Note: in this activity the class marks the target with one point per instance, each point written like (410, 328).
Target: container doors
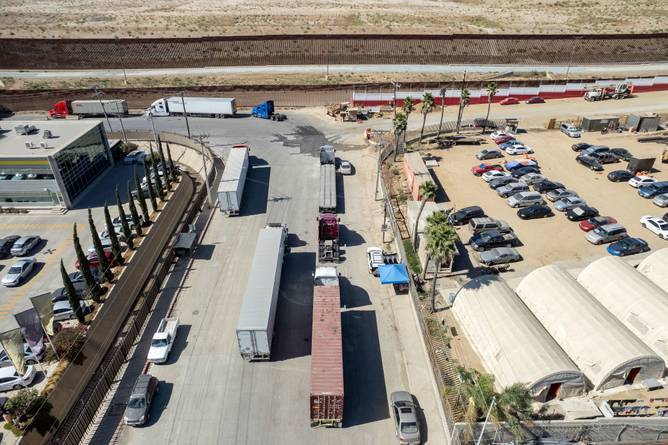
(630, 378)
(247, 344)
(553, 392)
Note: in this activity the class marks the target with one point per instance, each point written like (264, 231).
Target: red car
(93, 261)
(597, 221)
(501, 139)
(484, 168)
(536, 100)
(509, 101)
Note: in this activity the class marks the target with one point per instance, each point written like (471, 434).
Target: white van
(570, 130)
(525, 199)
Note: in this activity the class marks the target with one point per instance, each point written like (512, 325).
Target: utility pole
(381, 147)
(125, 77)
(155, 135)
(394, 101)
(120, 120)
(183, 103)
(201, 139)
(484, 425)
(440, 124)
(97, 94)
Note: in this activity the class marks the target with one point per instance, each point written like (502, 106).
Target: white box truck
(163, 340)
(231, 187)
(194, 106)
(255, 328)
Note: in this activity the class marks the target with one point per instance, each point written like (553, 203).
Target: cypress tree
(92, 286)
(163, 164)
(133, 211)
(142, 201)
(158, 181)
(103, 268)
(172, 170)
(72, 297)
(111, 231)
(127, 233)
(151, 190)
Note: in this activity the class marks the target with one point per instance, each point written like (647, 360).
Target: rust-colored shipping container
(326, 358)
(416, 173)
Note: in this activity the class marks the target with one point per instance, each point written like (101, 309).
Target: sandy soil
(170, 18)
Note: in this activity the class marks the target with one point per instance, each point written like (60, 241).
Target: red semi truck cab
(60, 110)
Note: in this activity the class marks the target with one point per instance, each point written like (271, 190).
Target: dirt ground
(545, 241)
(125, 18)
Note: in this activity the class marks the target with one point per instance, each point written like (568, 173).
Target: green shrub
(412, 258)
(68, 342)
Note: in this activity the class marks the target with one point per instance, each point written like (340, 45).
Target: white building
(655, 267)
(607, 352)
(511, 342)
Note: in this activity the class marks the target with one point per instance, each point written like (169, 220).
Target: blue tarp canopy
(393, 274)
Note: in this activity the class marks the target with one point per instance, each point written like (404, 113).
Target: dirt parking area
(549, 240)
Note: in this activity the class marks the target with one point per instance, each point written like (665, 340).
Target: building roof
(64, 132)
(655, 267)
(599, 344)
(511, 342)
(631, 297)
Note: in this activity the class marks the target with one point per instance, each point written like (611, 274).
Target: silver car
(404, 412)
(556, 195)
(661, 200)
(500, 255)
(607, 233)
(63, 311)
(569, 202)
(139, 403)
(488, 153)
(19, 272)
(25, 244)
(29, 357)
(532, 178)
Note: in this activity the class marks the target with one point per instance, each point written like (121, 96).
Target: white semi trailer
(231, 187)
(194, 106)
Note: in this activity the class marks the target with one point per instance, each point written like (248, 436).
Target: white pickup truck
(163, 339)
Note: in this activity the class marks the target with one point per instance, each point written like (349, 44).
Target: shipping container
(416, 173)
(258, 311)
(112, 107)
(326, 396)
(598, 123)
(327, 188)
(195, 106)
(231, 187)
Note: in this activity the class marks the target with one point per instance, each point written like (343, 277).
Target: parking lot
(544, 241)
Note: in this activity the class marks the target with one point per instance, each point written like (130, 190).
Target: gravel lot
(545, 241)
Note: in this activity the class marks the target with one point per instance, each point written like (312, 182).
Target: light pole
(120, 120)
(201, 139)
(185, 115)
(394, 101)
(155, 135)
(97, 94)
(381, 147)
(440, 124)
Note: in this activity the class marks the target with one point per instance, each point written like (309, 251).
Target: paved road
(314, 69)
(209, 395)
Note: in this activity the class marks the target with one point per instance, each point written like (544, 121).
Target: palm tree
(440, 247)
(491, 89)
(428, 105)
(400, 123)
(463, 101)
(111, 232)
(125, 227)
(427, 191)
(92, 286)
(136, 221)
(72, 296)
(103, 267)
(435, 219)
(151, 190)
(408, 107)
(142, 201)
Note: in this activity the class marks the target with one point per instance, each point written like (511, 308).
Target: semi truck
(265, 110)
(328, 237)
(83, 108)
(255, 327)
(163, 340)
(194, 106)
(326, 392)
(231, 187)
(621, 91)
(327, 188)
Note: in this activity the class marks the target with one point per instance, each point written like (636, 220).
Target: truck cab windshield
(160, 342)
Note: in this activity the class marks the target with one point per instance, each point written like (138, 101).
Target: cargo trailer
(231, 187)
(84, 108)
(326, 395)
(327, 188)
(194, 106)
(327, 154)
(258, 311)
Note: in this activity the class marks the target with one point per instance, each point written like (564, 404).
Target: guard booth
(185, 244)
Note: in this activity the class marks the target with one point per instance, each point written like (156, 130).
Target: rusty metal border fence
(79, 407)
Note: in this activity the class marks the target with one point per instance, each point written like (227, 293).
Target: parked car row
(648, 186)
(508, 143)
(18, 246)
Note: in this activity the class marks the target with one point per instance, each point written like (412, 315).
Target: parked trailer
(255, 328)
(231, 187)
(83, 108)
(328, 188)
(326, 397)
(194, 106)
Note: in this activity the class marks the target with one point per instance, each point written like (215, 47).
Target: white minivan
(525, 199)
(570, 130)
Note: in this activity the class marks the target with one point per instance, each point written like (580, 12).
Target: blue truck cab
(264, 110)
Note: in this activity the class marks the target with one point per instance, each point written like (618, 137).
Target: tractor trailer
(327, 188)
(193, 106)
(255, 327)
(231, 187)
(83, 108)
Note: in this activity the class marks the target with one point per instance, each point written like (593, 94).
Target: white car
(117, 229)
(493, 174)
(655, 225)
(346, 168)
(499, 133)
(639, 181)
(375, 259)
(10, 379)
(518, 150)
(19, 271)
(135, 157)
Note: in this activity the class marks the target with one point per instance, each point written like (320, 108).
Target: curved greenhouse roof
(655, 267)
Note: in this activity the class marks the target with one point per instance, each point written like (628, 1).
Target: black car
(535, 211)
(620, 176)
(605, 157)
(590, 163)
(665, 217)
(622, 153)
(547, 186)
(6, 244)
(492, 238)
(464, 215)
(500, 182)
(628, 246)
(519, 172)
(580, 146)
(580, 213)
(60, 294)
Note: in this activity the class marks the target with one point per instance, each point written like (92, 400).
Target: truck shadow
(340, 195)
(160, 402)
(256, 191)
(353, 296)
(292, 329)
(350, 238)
(363, 375)
(180, 343)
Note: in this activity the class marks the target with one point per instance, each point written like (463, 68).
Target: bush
(68, 342)
(24, 405)
(412, 258)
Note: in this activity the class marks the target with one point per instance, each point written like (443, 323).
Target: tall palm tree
(400, 123)
(434, 219)
(428, 105)
(441, 240)
(427, 191)
(463, 101)
(491, 89)
(408, 107)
